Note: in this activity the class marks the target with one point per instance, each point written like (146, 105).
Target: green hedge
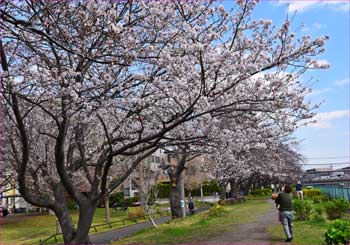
(209, 188)
(310, 193)
(118, 198)
(261, 192)
(163, 190)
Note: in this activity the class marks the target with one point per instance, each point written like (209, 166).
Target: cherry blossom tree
(82, 99)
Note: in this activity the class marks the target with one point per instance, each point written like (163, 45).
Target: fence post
(58, 227)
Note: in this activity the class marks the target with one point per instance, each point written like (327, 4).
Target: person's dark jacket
(284, 200)
(299, 187)
(191, 205)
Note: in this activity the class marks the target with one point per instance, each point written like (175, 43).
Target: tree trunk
(175, 207)
(66, 223)
(86, 214)
(234, 188)
(223, 191)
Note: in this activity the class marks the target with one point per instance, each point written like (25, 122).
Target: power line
(326, 157)
(331, 163)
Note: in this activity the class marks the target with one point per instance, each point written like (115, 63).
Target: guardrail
(335, 191)
(94, 227)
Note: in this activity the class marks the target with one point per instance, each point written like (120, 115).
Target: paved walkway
(114, 235)
(249, 233)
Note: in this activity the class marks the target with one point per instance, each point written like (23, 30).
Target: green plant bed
(338, 232)
(336, 209)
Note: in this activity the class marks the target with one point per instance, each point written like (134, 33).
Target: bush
(231, 201)
(209, 188)
(136, 212)
(317, 199)
(338, 232)
(163, 190)
(336, 208)
(302, 209)
(326, 197)
(216, 210)
(318, 214)
(261, 192)
(117, 198)
(71, 204)
(310, 193)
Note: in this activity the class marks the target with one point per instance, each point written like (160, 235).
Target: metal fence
(335, 191)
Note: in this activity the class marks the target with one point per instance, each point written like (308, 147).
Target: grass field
(200, 227)
(192, 229)
(305, 232)
(31, 229)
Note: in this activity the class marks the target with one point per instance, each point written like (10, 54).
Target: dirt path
(249, 233)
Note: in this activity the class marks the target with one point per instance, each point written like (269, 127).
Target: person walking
(272, 188)
(299, 189)
(285, 207)
(191, 206)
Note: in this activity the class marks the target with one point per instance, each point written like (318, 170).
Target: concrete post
(108, 216)
(202, 197)
(182, 195)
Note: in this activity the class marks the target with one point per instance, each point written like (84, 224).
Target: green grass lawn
(200, 227)
(305, 232)
(31, 229)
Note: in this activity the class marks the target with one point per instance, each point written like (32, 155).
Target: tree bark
(66, 223)
(62, 213)
(175, 207)
(86, 214)
(234, 184)
(223, 191)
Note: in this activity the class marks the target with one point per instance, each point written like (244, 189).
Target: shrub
(318, 214)
(302, 209)
(163, 190)
(319, 210)
(261, 192)
(338, 232)
(317, 199)
(326, 197)
(231, 201)
(216, 210)
(209, 187)
(336, 208)
(71, 204)
(136, 212)
(117, 197)
(310, 193)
